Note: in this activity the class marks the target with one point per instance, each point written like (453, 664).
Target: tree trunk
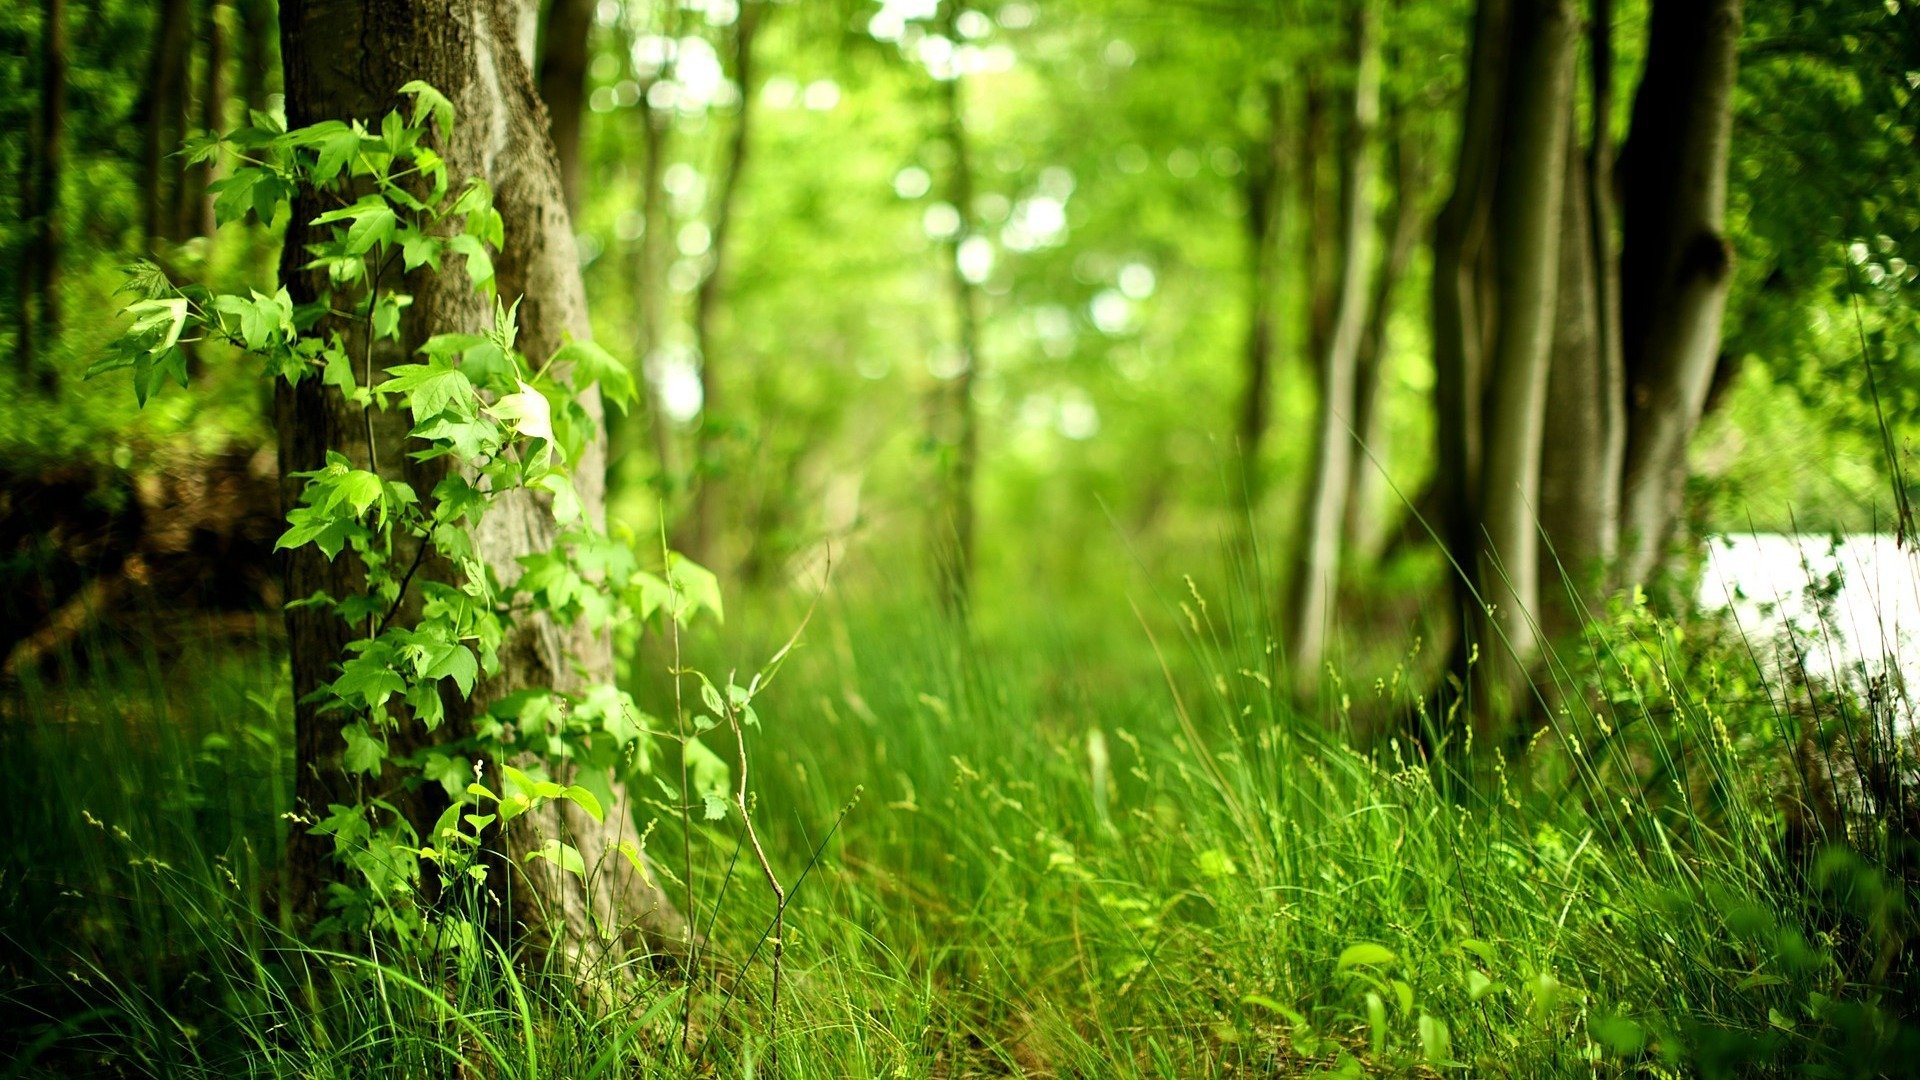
(1263, 197)
(163, 117)
(1317, 573)
(703, 525)
(40, 276)
(257, 59)
(1365, 523)
(959, 441)
(346, 58)
(1526, 224)
(196, 206)
(1458, 310)
(1586, 395)
(563, 85)
(1675, 264)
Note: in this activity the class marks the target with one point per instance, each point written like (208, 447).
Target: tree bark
(1675, 263)
(1459, 307)
(1365, 522)
(1526, 223)
(960, 439)
(163, 117)
(1263, 198)
(1580, 461)
(257, 59)
(196, 206)
(703, 525)
(1317, 572)
(40, 276)
(563, 85)
(345, 59)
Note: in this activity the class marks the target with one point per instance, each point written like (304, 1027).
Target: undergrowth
(1150, 865)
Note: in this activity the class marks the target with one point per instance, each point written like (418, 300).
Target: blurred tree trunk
(1317, 571)
(1365, 525)
(1527, 208)
(163, 112)
(701, 536)
(1675, 264)
(346, 58)
(563, 85)
(257, 59)
(39, 299)
(1265, 171)
(1321, 138)
(196, 206)
(1631, 340)
(957, 437)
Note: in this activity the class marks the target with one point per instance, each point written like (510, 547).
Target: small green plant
(502, 423)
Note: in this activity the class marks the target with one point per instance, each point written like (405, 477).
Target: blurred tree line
(1507, 299)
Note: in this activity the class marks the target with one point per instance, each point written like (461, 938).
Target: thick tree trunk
(1526, 224)
(1317, 571)
(163, 116)
(563, 85)
(703, 524)
(959, 439)
(1263, 197)
(40, 276)
(257, 59)
(346, 58)
(1675, 263)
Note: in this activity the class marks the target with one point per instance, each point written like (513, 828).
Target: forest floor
(1051, 854)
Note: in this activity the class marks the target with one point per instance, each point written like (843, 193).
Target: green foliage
(500, 423)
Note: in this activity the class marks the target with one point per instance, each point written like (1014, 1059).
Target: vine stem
(773, 882)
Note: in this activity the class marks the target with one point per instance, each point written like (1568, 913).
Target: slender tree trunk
(954, 524)
(563, 85)
(257, 59)
(703, 531)
(196, 216)
(1365, 523)
(1526, 223)
(1675, 262)
(1317, 572)
(1580, 459)
(1322, 213)
(40, 276)
(1459, 305)
(163, 116)
(346, 58)
(1263, 198)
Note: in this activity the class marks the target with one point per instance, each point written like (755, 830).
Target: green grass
(1074, 852)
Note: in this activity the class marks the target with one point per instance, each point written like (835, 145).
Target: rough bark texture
(346, 58)
(563, 85)
(703, 525)
(1526, 224)
(1675, 264)
(1317, 573)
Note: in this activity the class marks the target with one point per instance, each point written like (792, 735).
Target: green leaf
(364, 753)
(427, 100)
(565, 856)
(592, 364)
(1365, 954)
(586, 801)
(716, 807)
(455, 661)
(528, 412)
(479, 263)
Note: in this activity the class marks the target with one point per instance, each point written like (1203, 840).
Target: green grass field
(1053, 853)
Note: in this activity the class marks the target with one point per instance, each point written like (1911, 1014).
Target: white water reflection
(1851, 605)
